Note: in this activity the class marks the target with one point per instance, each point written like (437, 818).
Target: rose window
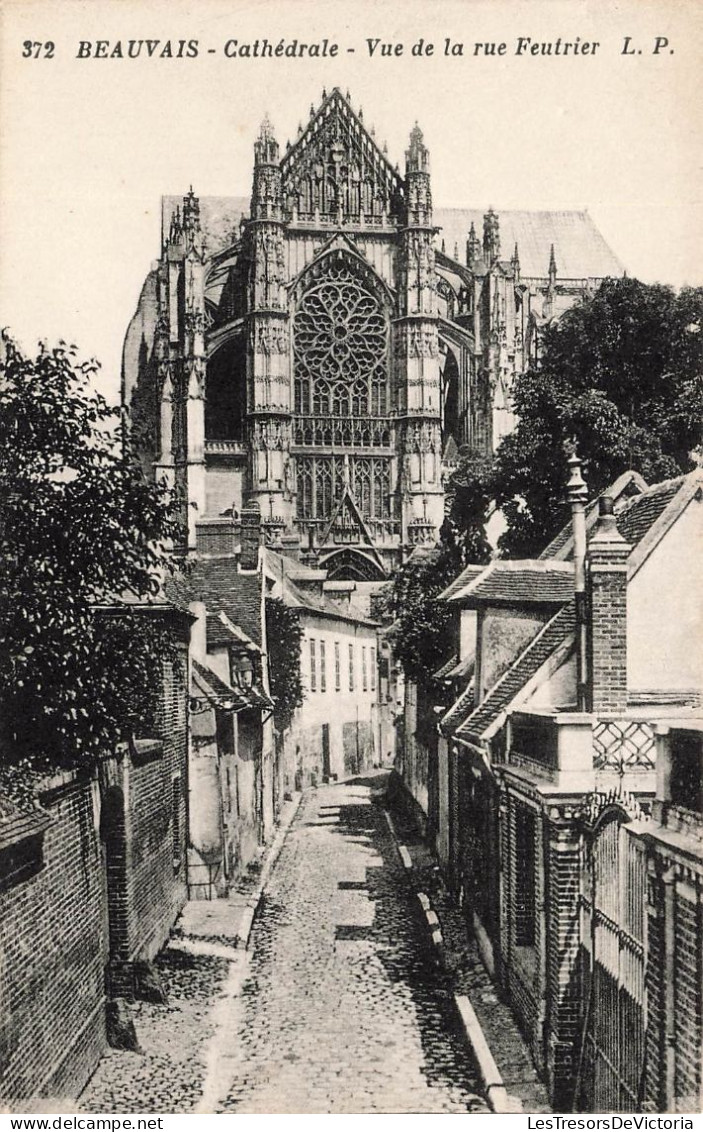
(341, 346)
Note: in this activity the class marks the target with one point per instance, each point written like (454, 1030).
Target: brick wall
(154, 786)
(563, 974)
(109, 877)
(53, 951)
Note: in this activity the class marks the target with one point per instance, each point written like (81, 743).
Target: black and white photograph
(351, 523)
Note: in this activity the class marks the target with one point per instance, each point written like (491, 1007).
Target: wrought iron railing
(623, 745)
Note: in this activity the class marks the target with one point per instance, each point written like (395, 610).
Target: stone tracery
(341, 347)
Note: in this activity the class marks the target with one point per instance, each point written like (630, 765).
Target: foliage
(621, 373)
(421, 637)
(79, 527)
(283, 637)
(469, 497)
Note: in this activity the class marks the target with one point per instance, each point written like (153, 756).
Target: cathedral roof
(580, 251)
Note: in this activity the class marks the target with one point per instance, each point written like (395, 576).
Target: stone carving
(337, 172)
(422, 341)
(272, 435)
(420, 437)
(270, 338)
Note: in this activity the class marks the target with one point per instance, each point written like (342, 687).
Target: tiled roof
(520, 582)
(217, 583)
(467, 575)
(177, 589)
(217, 690)
(620, 491)
(223, 695)
(516, 677)
(222, 632)
(465, 667)
(446, 667)
(579, 249)
(642, 512)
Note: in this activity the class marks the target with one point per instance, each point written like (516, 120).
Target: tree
(421, 635)
(283, 637)
(469, 497)
(80, 528)
(621, 373)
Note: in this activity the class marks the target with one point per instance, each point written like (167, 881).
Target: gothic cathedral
(327, 348)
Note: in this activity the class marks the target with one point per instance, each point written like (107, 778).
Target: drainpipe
(669, 882)
(577, 494)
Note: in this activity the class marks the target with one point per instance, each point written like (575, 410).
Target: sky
(89, 145)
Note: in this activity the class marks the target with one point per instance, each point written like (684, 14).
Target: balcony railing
(623, 745)
(381, 530)
(225, 448)
(343, 432)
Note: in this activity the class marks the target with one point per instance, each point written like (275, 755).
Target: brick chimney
(250, 537)
(607, 569)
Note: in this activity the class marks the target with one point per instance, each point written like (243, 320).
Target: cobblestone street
(340, 1006)
(344, 1008)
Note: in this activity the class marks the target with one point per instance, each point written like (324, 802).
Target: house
(236, 787)
(549, 752)
(336, 730)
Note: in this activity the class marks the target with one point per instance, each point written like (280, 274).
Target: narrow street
(345, 1010)
(341, 1006)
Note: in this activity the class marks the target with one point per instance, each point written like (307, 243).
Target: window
(373, 670)
(525, 876)
(313, 667)
(341, 344)
(337, 668)
(364, 681)
(351, 668)
(323, 667)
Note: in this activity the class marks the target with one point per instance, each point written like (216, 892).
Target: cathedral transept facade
(326, 348)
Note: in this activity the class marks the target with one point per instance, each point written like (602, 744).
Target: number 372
(37, 50)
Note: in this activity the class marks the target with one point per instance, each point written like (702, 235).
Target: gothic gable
(335, 170)
(339, 249)
(347, 524)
